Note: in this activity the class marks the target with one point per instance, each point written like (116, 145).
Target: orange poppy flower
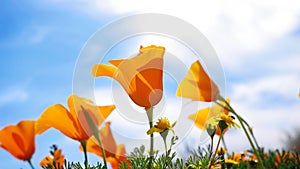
(19, 140)
(239, 156)
(282, 158)
(57, 158)
(141, 76)
(114, 153)
(79, 123)
(207, 115)
(197, 85)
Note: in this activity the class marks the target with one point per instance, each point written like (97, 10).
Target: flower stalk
(29, 162)
(150, 118)
(83, 144)
(242, 121)
(214, 156)
(97, 136)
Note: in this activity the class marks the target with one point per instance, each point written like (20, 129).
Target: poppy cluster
(142, 78)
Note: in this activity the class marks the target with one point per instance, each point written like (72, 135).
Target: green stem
(224, 144)
(97, 136)
(150, 118)
(255, 141)
(213, 158)
(166, 147)
(29, 161)
(83, 144)
(245, 131)
(211, 146)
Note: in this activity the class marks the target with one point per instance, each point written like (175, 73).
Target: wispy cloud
(13, 96)
(265, 90)
(31, 34)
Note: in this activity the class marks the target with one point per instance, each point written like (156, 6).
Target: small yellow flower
(221, 150)
(229, 120)
(230, 161)
(208, 118)
(154, 151)
(162, 125)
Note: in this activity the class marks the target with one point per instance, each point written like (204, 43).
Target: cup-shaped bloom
(79, 122)
(141, 76)
(56, 160)
(210, 117)
(197, 85)
(19, 140)
(114, 152)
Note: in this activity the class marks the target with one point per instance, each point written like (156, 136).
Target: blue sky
(257, 43)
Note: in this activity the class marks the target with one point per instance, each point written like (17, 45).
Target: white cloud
(12, 96)
(234, 27)
(255, 91)
(240, 31)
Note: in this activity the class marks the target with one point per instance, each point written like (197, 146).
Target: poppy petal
(58, 117)
(103, 70)
(19, 139)
(197, 85)
(200, 117)
(121, 152)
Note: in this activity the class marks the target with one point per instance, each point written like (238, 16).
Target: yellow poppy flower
(56, 158)
(114, 153)
(74, 122)
(197, 85)
(209, 116)
(141, 76)
(19, 140)
(162, 125)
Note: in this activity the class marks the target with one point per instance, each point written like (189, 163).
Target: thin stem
(224, 144)
(29, 161)
(166, 148)
(218, 144)
(246, 132)
(97, 136)
(83, 144)
(255, 141)
(150, 118)
(211, 146)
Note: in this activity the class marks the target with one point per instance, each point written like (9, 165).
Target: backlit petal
(140, 76)
(113, 162)
(103, 70)
(58, 117)
(121, 152)
(90, 116)
(108, 140)
(197, 85)
(200, 117)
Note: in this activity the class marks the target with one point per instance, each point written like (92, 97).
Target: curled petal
(58, 117)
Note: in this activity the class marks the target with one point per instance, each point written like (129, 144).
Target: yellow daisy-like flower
(229, 120)
(162, 125)
(230, 161)
(221, 150)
